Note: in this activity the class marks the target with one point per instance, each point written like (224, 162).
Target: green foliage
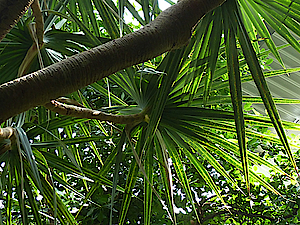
(202, 154)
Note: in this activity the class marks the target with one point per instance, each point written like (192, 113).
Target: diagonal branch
(171, 29)
(10, 13)
(80, 112)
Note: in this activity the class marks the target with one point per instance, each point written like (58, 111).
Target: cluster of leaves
(191, 146)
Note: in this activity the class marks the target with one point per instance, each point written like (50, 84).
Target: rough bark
(171, 29)
(10, 13)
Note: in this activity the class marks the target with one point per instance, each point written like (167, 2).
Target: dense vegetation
(171, 140)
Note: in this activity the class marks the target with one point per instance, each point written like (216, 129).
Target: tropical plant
(170, 94)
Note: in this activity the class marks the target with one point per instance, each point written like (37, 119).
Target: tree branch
(171, 29)
(10, 13)
(80, 112)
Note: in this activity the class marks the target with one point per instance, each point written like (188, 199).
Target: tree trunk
(171, 29)
(10, 13)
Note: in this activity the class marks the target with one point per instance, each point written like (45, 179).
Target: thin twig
(80, 112)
